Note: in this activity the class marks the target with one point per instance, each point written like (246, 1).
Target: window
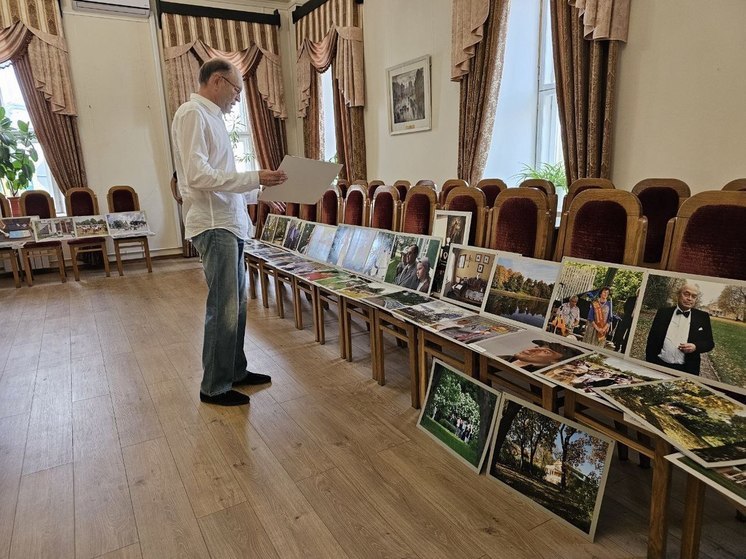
(548, 134)
(15, 107)
(329, 151)
(239, 128)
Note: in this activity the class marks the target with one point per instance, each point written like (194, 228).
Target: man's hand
(687, 348)
(278, 207)
(272, 178)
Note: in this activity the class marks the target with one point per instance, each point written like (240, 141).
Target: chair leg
(118, 255)
(14, 269)
(105, 256)
(74, 257)
(27, 266)
(61, 262)
(148, 261)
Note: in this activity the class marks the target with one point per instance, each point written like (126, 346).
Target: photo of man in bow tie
(680, 334)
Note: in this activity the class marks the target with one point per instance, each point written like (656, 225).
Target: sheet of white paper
(307, 181)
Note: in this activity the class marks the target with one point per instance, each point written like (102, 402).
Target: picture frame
(409, 99)
(486, 259)
(478, 258)
(480, 268)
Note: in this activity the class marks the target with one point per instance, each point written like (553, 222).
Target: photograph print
(292, 236)
(694, 326)
(398, 300)
(529, 351)
(268, 229)
(475, 328)
(128, 224)
(342, 238)
(410, 263)
(280, 229)
(305, 237)
(434, 314)
(557, 463)
(467, 277)
(520, 289)
(452, 228)
(55, 228)
(729, 481)
(15, 228)
(409, 96)
(359, 249)
(321, 242)
(594, 303)
(702, 423)
(90, 226)
(377, 262)
(459, 413)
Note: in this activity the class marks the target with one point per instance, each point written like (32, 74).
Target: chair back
(581, 185)
(37, 202)
(418, 211)
(491, 188)
(122, 199)
(384, 210)
(356, 206)
(81, 201)
(520, 222)
(428, 183)
(308, 212)
(330, 206)
(708, 236)
(343, 185)
(449, 185)
(4, 206)
(738, 185)
(604, 225)
(467, 199)
(661, 200)
(372, 186)
(292, 209)
(547, 187)
(402, 187)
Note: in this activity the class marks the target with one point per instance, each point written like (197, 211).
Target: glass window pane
(327, 104)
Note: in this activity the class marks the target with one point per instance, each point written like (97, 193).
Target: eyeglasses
(236, 89)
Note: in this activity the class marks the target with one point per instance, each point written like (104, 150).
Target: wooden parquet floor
(106, 451)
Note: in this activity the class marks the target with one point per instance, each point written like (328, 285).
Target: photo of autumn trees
(556, 463)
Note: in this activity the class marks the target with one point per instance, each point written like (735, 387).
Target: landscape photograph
(90, 226)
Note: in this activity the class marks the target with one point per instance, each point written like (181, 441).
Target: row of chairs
(81, 201)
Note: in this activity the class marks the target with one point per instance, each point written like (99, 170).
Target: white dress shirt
(215, 195)
(677, 333)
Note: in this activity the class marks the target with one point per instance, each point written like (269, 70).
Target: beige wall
(680, 106)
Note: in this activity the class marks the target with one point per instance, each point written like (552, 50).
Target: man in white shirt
(680, 334)
(214, 197)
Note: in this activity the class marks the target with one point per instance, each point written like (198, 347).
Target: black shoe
(253, 378)
(230, 398)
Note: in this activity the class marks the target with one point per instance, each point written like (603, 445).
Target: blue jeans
(223, 357)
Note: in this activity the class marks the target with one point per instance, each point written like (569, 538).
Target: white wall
(396, 32)
(680, 106)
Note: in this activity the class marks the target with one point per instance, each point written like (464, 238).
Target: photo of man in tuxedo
(680, 334)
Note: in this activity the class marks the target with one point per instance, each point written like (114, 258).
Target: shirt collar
(209, 105)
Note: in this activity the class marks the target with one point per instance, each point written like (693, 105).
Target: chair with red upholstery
(661, 200)
(125, 199)
(428, 183)
(604, 225)
(292, 209)
(418, 210)
(330, 206)
(372, 186)
(547, 187)
(520, 222)
(708, 236)
(9, 253)
(581, 185)
(467, 199)
(356, 206)
(491, 188)
(447, 187)
(385, 208)
(343, 185)
(81, 201)
(308, 211)
(39, 203)
(402, 187)
(737, 185)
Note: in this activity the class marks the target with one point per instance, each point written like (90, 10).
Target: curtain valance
(604, 19)
(467, 30)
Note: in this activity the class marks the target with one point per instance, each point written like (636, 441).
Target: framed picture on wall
(480, 268)
(409, 96)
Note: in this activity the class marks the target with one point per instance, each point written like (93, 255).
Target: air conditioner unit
(134, 8)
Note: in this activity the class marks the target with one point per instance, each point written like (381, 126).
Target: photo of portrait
(292, 236)
(594, 303)
(694, 326)
(90, 226)
(530, 351)
(459, 413)
(450, 227)
(466, 284)
(409, 265)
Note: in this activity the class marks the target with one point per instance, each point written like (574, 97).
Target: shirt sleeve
(252, 196)
(190, 142)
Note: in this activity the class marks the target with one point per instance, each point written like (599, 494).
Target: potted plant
(18, 158)
(553, 173)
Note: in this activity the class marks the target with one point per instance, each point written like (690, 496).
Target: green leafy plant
(18, 156)
(235, 129)
(547, 171)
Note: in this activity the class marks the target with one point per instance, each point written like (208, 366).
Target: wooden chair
(447, 187)
(343, 185)
(708, 236)
(372, 186)
(402, 187)
(9, 253)
(385, 208)
(81, 201)
(547, 187)
(39, 203)
(491, 188)
(467, 199)
(738, 185)
(428, 183)
(581, 185)
(604, 225)
(661, 200)
(292, 209)
(330, 206)
(356, 206)
(125, 199)
(520, 222)
(418, 211)
(308, 212)
(4, 206)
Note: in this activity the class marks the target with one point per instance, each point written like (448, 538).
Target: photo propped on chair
(128, 224)
(467, 275)
(90, 226)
